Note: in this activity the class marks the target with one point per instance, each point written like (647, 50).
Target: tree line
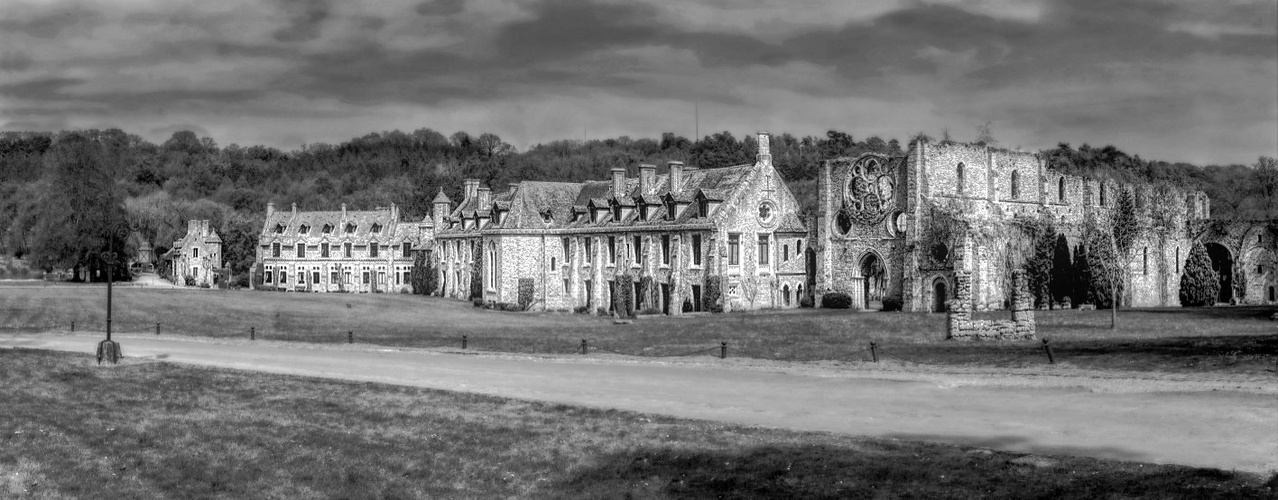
(46, 177)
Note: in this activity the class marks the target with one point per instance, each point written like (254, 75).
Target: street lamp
(108, 348)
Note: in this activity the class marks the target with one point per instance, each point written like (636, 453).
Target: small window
(1102, 195)
(279, 229)
(665, 249)
(346, 250)
(283, 277)
(1060, 190)
(324, 250)
(377, 228)
(553, 264)
(372, 249)
(567, 254)
(195, 253)
(638, 250)
(785, 253)
(589, 253)
(268, 276)
(301, 250)
(332, 277)
(703, 208)
(696, 249)
(764, 250)
(1016, 184)
(959, 175)
(734, 249)
(327, 229)
(350, 228)
(612, 249)
(303, 229)
(408, 249)
(1260, 269)
(1144, 260)
(275, 250)
(798, 247)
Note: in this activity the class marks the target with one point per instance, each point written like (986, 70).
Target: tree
(1124, 229)
(985, 134)
(81, 214)
(1038, 268)
(1199, 284)
(1062, 284)
(1082, 276)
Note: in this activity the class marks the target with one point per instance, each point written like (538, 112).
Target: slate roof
(313, 222)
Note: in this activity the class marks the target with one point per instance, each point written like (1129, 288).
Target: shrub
(806, 302)
(477, 271)
(525, 293)
(581, 310)
(836, 300)
(623, 300)
(1199, 284)
(687, 305)
(601, 311)
(714, 290)
(204, 285)
(892, 304)
(188, 280)
(650, 310)
(478, 302)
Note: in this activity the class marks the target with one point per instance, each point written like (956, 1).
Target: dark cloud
(14, 60)
(306, 17)
(50, 24)
(441, 7)
(41, 89)
(167, 131)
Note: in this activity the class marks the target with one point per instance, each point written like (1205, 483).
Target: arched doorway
(810, 261)
(1223, 263)
(872, 281)
(940, 294)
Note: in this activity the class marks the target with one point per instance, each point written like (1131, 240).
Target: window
(324, 250)
(734, 249)
(332, 277)
(763, 250)
(1144, 260)
(785, 253)
(377, 228)
(1060, 190)
(589, 253)
(350, 228)
(1260, 269)
(303, 229)
(670, 209)
(638, 249)
(365, 277)
(408, 249)
(279, 229)
(268, 276)
(798, 247)
(492, 265)
(346, 250)
(301, 277)
(315, 277)
(703, 208)
(283, 277)
(372, 249)
(616, 212)
(1102, 195)
(275, 250)
(348, 277)
(1016, 184)
(565, 285)
(327, 229)
(665, 249)
(1177, 259)
(567, 254)
(301, 250)
(696, 249)
(553, 264)
(195, 253)
(612, 249)
(959, 174)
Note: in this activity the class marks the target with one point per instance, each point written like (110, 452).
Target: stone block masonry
(960, 325)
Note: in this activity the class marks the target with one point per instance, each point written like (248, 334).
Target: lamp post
(110, 349)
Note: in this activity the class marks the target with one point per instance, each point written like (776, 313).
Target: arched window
(1060, 190)
(492, 265)
(959, 175)
(1144, 260)
(1102, 194)
(1016, 184)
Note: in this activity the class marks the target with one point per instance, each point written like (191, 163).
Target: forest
(47, 178)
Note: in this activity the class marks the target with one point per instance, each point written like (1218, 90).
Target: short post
(157, 329)
(1051, 360)
(874, 352)
(723, 350)
(350, 336)
(463, 342)
(72, 326)
(252, 333)
(583, 346)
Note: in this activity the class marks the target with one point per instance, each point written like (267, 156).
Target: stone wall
(960, 325)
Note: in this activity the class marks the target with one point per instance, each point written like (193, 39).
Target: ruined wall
(961, 326)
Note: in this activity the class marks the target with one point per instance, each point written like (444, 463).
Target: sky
(1177, 81)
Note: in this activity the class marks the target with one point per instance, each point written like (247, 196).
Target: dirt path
(1146, 419)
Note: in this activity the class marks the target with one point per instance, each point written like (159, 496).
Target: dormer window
(670, 208)
(377, 228)
(703, 208)
(546, 216)
(350, 228)
(279, 229)
(327, 229)
(616, 212)
(303, 229)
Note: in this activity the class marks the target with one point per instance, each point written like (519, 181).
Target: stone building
(570, 244)
(892, 230)
(197, 255)
(339, 251)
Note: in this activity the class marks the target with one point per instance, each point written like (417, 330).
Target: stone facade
(896, 229)
(960, 325)
(339, 251)
(670, 233)
(198, 255)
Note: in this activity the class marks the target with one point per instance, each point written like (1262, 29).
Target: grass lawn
(1178, 340)
(158, 430)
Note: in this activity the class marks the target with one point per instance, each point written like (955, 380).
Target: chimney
(192, 226)
(618, 180)
(343, 211)
(765, 150)
(512, 187)
(270, 208)
(676, 176)
(647, 177)
(294, 209)
(485, 197)
(394, 213)
(470, 188)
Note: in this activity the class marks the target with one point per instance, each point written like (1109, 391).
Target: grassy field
(1189, 340)
(158, 430)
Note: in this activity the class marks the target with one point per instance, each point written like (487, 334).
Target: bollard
(1051, 360)
(350, 337)
(157, 329)
(723, 350)
(252, 333)
(583, 346)
(463, 341)
(874, 351)
(72, 327)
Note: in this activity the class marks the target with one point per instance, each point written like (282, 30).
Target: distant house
(339, 251)
(572, 245)
(197, 255)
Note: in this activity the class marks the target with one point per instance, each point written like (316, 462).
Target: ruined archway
(873, 281)
(1222, 261)
(940, 293)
